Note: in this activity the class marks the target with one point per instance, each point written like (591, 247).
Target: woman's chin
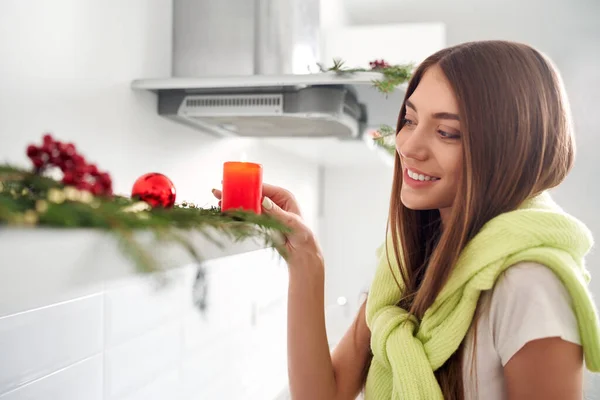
(416, 202)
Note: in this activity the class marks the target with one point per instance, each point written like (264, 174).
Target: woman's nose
(412, 145)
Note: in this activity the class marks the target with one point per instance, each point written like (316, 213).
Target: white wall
(357, 45)
(356, 204)
(66, 67)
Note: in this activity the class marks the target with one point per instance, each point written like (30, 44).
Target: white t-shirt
(528, 302)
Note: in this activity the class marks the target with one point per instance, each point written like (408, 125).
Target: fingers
(270, 190)
(282, 197)
(278, 237)
(218, 194)
(281, 205)
(277, 194)
(287, 218)
(300, 238)
(272, 209)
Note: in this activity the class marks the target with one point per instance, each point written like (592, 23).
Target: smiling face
(429, 144)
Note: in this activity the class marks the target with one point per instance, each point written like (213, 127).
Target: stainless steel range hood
(249, 68)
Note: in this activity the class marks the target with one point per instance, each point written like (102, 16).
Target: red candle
(242, 186)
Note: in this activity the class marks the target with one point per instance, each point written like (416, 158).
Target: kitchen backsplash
(136, 339)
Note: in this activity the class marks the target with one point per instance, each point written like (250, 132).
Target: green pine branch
(386, 139)
(29, 199)
(393, 75)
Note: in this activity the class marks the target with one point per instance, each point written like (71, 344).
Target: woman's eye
(448, 135)
(407, 122)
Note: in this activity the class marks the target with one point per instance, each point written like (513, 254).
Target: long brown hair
(517, 142)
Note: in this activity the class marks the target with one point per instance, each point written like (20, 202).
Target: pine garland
(30, 199)
(385, 138)
(393, 75)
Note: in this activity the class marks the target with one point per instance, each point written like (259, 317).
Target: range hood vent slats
(241, 104)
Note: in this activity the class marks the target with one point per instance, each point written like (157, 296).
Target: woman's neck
(445, 215)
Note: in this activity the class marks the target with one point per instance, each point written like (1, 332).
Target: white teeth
(421, 177)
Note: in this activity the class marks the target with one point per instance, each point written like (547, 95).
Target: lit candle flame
(244, 157)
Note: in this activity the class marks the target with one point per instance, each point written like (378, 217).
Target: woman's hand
(301, 245)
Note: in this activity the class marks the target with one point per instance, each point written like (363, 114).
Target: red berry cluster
(76, 171)
(379, 64)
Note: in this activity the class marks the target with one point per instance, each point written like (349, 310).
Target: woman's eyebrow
(437, 115)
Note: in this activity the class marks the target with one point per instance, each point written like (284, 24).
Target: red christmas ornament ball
(155, 189)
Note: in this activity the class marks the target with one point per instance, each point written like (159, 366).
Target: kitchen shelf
(42, 266)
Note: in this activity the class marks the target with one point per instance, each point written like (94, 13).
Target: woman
(491, 302)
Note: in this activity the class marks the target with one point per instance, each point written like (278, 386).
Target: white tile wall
(166, 386)
(137, 363)
(134, 340)
(80, 381)
(245, 322)
(39, 342)
(136, 305)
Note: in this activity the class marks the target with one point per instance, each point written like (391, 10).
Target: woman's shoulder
(529, 302)
(527, 278)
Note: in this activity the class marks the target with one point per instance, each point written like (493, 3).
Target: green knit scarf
(406, 352)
